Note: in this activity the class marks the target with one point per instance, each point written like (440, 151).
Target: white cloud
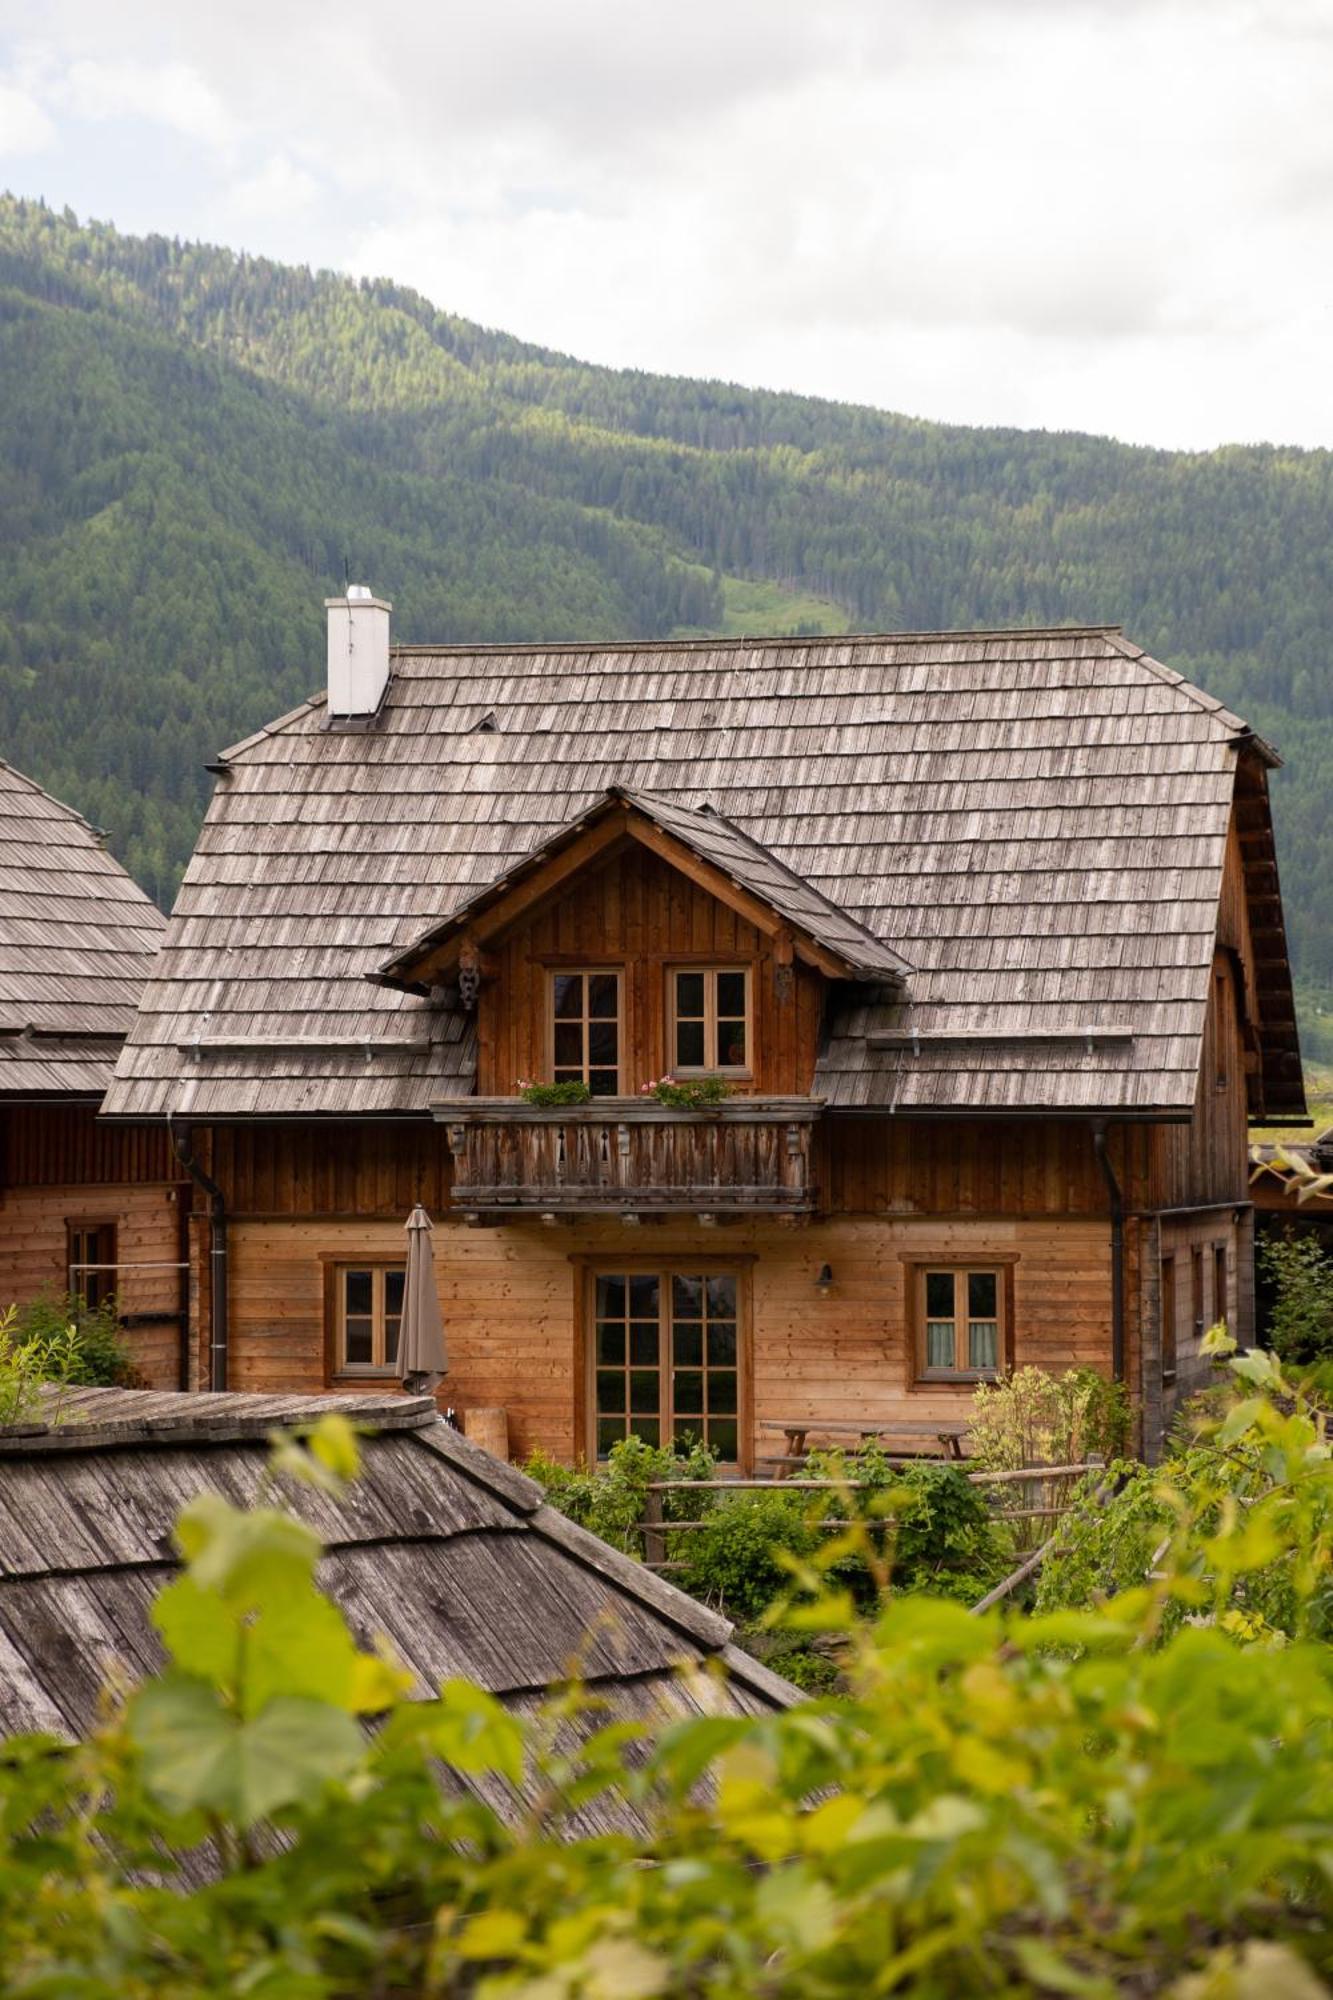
(161, 93)
(24, 126)
(1104, 214)
(280, 188)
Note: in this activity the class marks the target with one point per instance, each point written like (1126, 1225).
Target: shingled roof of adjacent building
(1034, 821)
(77, 937)
(454, 1557)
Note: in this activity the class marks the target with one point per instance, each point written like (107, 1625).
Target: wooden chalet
(454, 1559)
(85, 1208)
(983, 931)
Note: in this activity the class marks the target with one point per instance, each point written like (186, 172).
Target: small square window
(710, 1019)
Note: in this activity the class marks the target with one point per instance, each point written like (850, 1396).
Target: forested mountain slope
(191, 442)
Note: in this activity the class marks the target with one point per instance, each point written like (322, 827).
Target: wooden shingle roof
(77, 937)
(842, 945)
(453, 1556)
(1035, 822)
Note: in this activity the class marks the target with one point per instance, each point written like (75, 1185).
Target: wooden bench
(912, 1434)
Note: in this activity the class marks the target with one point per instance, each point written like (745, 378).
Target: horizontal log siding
(33, 1222)
(509, 1299)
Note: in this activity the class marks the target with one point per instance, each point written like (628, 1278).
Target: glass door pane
(627, 1359)
(705, 1364)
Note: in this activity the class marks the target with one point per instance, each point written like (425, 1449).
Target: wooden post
(654, 1541)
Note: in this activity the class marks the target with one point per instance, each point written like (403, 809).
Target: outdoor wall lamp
(824, 1282)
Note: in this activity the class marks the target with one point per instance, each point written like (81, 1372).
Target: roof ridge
(98, 833)
(749, 639)
(1181, 684)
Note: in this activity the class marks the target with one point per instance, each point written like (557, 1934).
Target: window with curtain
(961, 1329)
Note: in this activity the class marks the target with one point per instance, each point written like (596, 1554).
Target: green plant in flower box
(571, 1090)
(693, 1093)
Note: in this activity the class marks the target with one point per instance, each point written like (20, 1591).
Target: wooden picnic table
(797, 1431)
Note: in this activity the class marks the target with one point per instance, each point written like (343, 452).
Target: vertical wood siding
(639, 913)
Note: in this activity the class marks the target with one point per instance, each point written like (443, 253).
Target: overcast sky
(1108, 215)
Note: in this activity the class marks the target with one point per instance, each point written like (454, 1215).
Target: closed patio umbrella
(422, 1361)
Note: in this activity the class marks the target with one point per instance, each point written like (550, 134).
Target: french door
(666, 1359)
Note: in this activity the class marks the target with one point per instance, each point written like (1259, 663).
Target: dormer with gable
(644, 941)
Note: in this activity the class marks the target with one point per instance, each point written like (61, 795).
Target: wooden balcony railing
(748, 1155)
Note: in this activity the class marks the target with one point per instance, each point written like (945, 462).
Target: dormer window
(710, 1020)
(585, 1030)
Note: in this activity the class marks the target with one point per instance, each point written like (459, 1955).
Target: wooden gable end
(634, 912)
(1207, 1160)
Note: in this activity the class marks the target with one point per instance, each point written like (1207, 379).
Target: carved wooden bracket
(784, 955)
(469, 972)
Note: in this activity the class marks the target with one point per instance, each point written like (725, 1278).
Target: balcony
(622, 1156)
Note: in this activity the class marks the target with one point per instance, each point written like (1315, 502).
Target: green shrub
(1031, 1417)
(1218, 1473)
(735, 1561)
(610, 1499)
(94, 1355)
(1300, 1271)
(28, 1366)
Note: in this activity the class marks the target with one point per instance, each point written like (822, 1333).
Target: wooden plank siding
(962, 1192)
(59, 1166)
(638, 914)
(510, 1301)
(1208, 1159)
(147, 1218)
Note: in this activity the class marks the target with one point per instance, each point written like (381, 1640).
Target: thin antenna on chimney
(347, 575)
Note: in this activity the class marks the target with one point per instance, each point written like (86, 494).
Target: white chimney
(358, 651)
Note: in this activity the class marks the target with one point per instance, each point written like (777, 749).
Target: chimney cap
(358, 594)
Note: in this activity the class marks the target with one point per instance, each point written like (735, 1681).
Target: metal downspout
(217, 1253)
(1117, 1201)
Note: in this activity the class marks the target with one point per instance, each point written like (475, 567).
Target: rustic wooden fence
(1043, 1494)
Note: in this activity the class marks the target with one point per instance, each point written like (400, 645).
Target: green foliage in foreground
(1225, 1495)
(1084, 1803)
